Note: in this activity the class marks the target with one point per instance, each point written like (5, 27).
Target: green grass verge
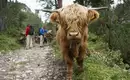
(8, 43)
(97, 71)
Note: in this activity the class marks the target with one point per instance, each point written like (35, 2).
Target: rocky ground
(33, 64)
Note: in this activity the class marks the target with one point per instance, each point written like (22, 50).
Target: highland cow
(72, 33)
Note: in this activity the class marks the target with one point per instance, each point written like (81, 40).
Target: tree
(94, 3)
(3, 4)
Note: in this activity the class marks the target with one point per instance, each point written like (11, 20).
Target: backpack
(31, 31)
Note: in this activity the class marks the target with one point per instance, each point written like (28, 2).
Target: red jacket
(27, 30)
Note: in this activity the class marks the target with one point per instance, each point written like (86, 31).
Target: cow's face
(74, 22)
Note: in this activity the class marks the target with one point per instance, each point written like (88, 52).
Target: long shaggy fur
(73, 18)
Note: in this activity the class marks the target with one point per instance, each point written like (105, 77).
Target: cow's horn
(99, 8)
(46, 10)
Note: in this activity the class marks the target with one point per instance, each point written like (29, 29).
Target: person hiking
(29, 36)
(42, 32)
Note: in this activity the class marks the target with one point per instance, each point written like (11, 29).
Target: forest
(14, 17)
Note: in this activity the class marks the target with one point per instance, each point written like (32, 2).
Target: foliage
(94, 3)
(8, 43)
(113, 26)
(51, 4)
(3, 4)
(17, 16)
(94, 71)
(14, 15)
(34, 20)
(56, 49)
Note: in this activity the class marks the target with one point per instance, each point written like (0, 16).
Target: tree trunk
(16, 1)
(59, 3)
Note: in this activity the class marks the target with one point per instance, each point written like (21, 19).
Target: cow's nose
(74, 34)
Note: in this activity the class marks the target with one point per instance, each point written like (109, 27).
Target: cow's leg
(80, 64)
(69, 70)
(69, 61)
(82, 52)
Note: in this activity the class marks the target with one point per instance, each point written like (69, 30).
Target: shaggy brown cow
(72, 33)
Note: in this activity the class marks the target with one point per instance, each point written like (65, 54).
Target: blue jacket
(43, 31)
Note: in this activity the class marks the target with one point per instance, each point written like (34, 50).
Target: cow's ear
(54, 17)
(92, 15)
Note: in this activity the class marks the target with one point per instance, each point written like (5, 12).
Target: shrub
(8, 43)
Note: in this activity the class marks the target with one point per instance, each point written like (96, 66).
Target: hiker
(42, 32)
(29, 36)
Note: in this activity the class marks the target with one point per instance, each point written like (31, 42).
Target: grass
(9, 38)
(99, 71)
(8, 43)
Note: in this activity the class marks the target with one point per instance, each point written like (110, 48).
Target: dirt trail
(33, 64)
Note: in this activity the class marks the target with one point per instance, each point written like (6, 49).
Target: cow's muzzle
(73, 36)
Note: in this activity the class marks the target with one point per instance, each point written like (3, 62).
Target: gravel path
(33, 64)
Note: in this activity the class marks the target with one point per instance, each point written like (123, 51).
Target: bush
(8, 43)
